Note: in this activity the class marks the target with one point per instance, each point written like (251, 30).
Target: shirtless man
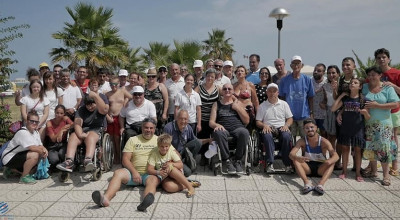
(313, 161)
(116, 97)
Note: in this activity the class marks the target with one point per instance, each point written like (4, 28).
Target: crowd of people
(167, 120)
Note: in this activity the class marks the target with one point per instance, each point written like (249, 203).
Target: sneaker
(289, 169)
(147, 201)
(238, 165)
(28, 179)
(270, 168)
(7, 173)
(67, 165)
(88, 164)
(230, 168)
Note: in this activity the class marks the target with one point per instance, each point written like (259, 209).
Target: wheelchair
(261, 155)
(250, 155)
(103, 158)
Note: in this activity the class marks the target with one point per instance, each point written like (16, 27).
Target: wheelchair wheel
(107, 158)
(248, 171)
(63, 176)
(215, 171)
(97, 173)
(253, 148)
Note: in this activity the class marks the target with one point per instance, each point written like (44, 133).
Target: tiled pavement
(258, 196)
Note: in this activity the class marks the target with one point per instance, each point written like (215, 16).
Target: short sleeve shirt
(90, 119)
(35, 103)
(173, 89)
(140, 149)
(274, 115)
(71, 94)
(157, 160)
(188, 103)
(133, 114)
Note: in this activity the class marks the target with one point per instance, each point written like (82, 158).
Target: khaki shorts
(297, 128)
(396, 119)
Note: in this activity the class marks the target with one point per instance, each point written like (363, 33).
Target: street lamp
(279, 14)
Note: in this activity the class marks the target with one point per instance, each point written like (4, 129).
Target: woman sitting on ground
(24, 150)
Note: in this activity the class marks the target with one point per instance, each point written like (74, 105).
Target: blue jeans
(284, 141)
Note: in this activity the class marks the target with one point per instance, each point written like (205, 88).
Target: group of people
(189, 111)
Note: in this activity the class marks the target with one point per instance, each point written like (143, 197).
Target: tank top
(228, 117)
(156, 96)
(207, 101)
(314, 153)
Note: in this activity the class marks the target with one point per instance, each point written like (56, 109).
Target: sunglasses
(33, 122)
(227, 89)
(153, 76)
(137, 94)
(219, 66)
(263, 73)
(113, 84)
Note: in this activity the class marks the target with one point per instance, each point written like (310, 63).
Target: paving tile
(389, 208)
(323, 210)
(30, 209)
(281, 196)
(240, 184)
(47, 196)
(9, 184)
(280, 211)
(368, 184)
(94, 211)
(338, 184)
(127, 210)
(244, 197)
(347, 196)
(136, 196)
(210, 197)
(52, 218)
(271, 185)
(212, 184)
(97, 185)
(17, 196)
(64, 209)
(172, 211)
(312, 197)
(40, 184)
(380, 196)
(214, 211)
(361, 210)
(248, 211)
(60, 186)
(77, 196)
(174, 197)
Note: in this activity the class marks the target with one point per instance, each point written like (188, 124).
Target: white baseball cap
(272, 85)
(137, 89)
(197, 63)
(297, 57)
(212, 150)
(228, 63)
(123, 72)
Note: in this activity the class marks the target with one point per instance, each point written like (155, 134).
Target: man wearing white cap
(298, 91)
(198, 72)
(174, 85)
(131, 117)
(274, 118)
(220, 79)
(123, 75)
(227, 69)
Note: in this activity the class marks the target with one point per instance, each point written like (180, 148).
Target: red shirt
(393, 76)
(84, 86)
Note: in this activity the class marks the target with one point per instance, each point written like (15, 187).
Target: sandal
(190, 194)
(369, 175)
(319, 189)
(338, 167)
(342, 176)
(393, 172)
(98, 198)
(307, 188)
(195, 183)
(359, 179)
(386, 182)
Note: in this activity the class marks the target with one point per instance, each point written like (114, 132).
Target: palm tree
(186, 52)
(91, 39)
(217, 46)
(134, 61)
(156, 55)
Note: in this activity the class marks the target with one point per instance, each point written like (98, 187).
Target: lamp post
(279, 14)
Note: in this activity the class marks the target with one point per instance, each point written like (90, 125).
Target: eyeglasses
(137, 94)
(227, 89)
(33, 122)
(218, 66)
(263, 73)
(153, 76)
(113, 84)
(163, 71)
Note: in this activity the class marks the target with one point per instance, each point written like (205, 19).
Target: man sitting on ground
(313, 161)
(274, 118)
(229, 118)
(134, 160)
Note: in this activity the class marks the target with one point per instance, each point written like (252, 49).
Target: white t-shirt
(51, 95)
(71, 94)
(222, 81)
(23, 139)
(274, 115)
(136, 114)
(39, 107)
(173, 89)
(105, 88)
(188, 103)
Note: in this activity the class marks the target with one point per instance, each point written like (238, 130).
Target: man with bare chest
(116, 97)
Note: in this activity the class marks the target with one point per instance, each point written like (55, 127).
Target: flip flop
(98, 198)
(307, 188)
(342, 176)
(190, 194)
(359, 179)
(195, 183)
(393, 172)
(386, 182)
(319, 189)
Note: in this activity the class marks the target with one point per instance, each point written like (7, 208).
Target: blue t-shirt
(254, 77)
(296, 93)
(179, 139)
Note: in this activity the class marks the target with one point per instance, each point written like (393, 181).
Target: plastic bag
(42, 169)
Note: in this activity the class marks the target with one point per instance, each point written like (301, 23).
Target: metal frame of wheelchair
(249, 155)
(103, 158)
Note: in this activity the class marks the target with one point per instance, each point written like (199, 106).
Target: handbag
(15, 126)
(188, 159)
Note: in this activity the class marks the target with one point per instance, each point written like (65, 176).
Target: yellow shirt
(141, 149)
(157, 160)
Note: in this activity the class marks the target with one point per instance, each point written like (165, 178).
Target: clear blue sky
(318, 30)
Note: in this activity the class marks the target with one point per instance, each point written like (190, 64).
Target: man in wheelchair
(274, 118)
(229, 118)
(89, 120)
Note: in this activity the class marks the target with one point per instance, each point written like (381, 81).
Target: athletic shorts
(144, 178)
(113, 128)
(314, 165)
